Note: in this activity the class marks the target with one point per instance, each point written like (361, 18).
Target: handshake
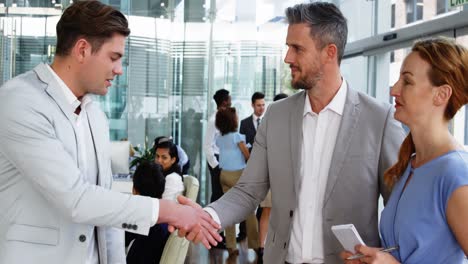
(191, 221)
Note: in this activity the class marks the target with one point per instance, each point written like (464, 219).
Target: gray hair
(327, 23)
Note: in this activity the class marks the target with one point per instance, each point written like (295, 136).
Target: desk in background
(122, 183)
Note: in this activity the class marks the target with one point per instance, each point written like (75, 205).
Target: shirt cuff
(213, 214)
(213, 162)
(155, 211)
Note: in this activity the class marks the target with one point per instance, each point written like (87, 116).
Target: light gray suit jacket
(367, 144)
(48, 210)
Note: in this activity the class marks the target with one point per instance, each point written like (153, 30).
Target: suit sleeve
(35, 153)
(393, 135)
(242, 128)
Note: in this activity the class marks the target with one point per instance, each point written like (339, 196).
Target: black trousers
(216, 190)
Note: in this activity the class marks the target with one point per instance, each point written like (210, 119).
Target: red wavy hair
(448, 65)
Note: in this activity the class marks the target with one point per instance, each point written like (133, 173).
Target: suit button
(291, 213)
(124, 225)
(284, 245)
(82, 238)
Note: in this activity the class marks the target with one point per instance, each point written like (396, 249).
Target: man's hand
(190, 220)
(209, 228)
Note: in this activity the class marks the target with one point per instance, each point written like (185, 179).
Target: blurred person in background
(167, 155)
(222, 99)
(148, 180)
(265, 205)
(184, 161)
(233, 154)
(248, 127)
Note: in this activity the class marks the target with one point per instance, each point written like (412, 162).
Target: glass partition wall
(178, 54)
(181, 51)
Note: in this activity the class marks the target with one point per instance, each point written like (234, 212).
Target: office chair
(176, 247)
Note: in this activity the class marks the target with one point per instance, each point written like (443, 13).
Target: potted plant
(144, 153)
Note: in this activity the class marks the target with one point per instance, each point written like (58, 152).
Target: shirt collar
(255, 117)
(336, 104)
(69, 96)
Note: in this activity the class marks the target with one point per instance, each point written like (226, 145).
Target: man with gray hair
(323, 151)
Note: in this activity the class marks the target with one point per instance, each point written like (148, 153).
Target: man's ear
(81, 49)
(442, 94)
(331, 52)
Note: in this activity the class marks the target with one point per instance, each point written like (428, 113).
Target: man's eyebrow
(293, 45)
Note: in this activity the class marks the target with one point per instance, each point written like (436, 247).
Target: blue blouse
(415, 219)
(230, 155)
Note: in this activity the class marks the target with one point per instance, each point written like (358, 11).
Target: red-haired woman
(427, 213)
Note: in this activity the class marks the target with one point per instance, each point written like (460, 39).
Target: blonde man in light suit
(55, 171)
(323, 151)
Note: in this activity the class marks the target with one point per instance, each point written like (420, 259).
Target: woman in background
(166, 155)
(266, 207)
(233, 154)
(184, 161)
(427, 214)
(148, 180)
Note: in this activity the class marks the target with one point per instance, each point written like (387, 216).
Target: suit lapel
(348, 125)
(54, 91)
(251, 125)
(96, 130)
(295, 125)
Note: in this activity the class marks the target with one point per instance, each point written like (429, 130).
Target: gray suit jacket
(367, 144)
(48, 210)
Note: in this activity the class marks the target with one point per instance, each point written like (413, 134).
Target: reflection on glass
(355, 71)
(180, 52)
(409, 11)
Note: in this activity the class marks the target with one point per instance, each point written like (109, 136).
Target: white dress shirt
(319, 136)
(173, 187)
(255, 122)
(87, 159)
(209, 147)
(183, 158)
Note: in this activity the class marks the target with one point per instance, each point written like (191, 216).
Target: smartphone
(348, 236)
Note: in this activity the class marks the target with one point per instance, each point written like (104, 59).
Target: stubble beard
(307, 83)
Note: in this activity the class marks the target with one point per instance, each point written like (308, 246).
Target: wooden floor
(199, 254)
